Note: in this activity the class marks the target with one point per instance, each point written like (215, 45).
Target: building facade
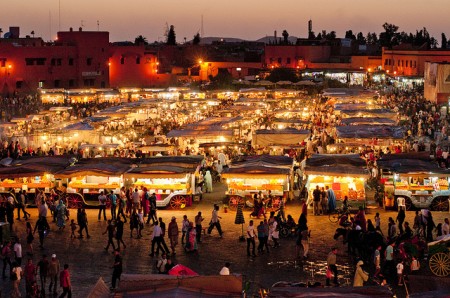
(406, 61)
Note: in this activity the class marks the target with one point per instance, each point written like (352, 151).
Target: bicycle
(338, 214)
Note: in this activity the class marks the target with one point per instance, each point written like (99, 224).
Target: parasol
(179, 269)
(239, 220)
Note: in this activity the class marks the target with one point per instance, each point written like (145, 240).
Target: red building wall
(295, 56)
(134, 66)
(411, 62)
(76, 60)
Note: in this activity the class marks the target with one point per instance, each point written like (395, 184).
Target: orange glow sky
(247, 19)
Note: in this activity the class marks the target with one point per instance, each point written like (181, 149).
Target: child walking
(73, 227)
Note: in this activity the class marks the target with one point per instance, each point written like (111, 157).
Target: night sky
(247, 19)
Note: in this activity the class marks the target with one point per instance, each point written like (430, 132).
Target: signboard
(91, 73)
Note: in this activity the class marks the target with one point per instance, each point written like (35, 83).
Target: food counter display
(30, 184)
(241, 189)
(163, 185)
(246, 186)
(352, 187)
(421, 191)
(27, 183)
(176, 191)
(91, 186)
(249, 175)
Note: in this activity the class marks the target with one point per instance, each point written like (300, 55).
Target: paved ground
(88, 260)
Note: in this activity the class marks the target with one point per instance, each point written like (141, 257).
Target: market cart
(31, 174)
(172, 179)
(87, 178)
(439, 255)
(416, 179)
(253, 174)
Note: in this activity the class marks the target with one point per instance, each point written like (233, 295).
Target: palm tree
(140, 40)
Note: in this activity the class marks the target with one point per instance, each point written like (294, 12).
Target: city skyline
(247, 20)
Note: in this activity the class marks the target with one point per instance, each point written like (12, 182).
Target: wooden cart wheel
(178, 202)
(440, 204)
(74, 202)
(440, 264)
(234, 202)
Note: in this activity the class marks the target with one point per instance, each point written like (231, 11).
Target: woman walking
(30, 239)
(61, 215)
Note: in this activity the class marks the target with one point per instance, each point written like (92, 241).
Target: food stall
(372, 113)
(172, 178)
(378, 136)
(415, 179)
(51, 96)
(32, 173)
(89, 177)
(345, 174)
(279, 137)
(251, 174)
(155, 149)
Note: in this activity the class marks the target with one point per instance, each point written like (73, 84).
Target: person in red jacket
(64, 281)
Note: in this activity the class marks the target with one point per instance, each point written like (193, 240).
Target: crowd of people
(426, 130)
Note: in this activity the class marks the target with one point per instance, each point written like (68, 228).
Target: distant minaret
(309, 27)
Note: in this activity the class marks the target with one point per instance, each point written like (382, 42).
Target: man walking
(53, 271)
(215, 221)
(42, 267)
(198, 226)
(331, 262)
(156, 238)
(113, 199)
(82, 222)
(251, 239)
(316, 200)
(162, 225)
(64, 280)
(184, 229)
(173, 232)
(152, 211)
(136, 199)
(110, 230)
(119, 233)
(18, 251)
(102, 205)
(21, 201)
(117, 269)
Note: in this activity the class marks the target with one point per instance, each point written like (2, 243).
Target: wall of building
(301, 56)
(411, 62)
(238, 70)
(132, 66)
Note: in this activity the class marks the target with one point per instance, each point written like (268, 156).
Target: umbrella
(179, 269)
(305, 83)
(240, 220)
(264, 83)
(6, 161)
(284, 83)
